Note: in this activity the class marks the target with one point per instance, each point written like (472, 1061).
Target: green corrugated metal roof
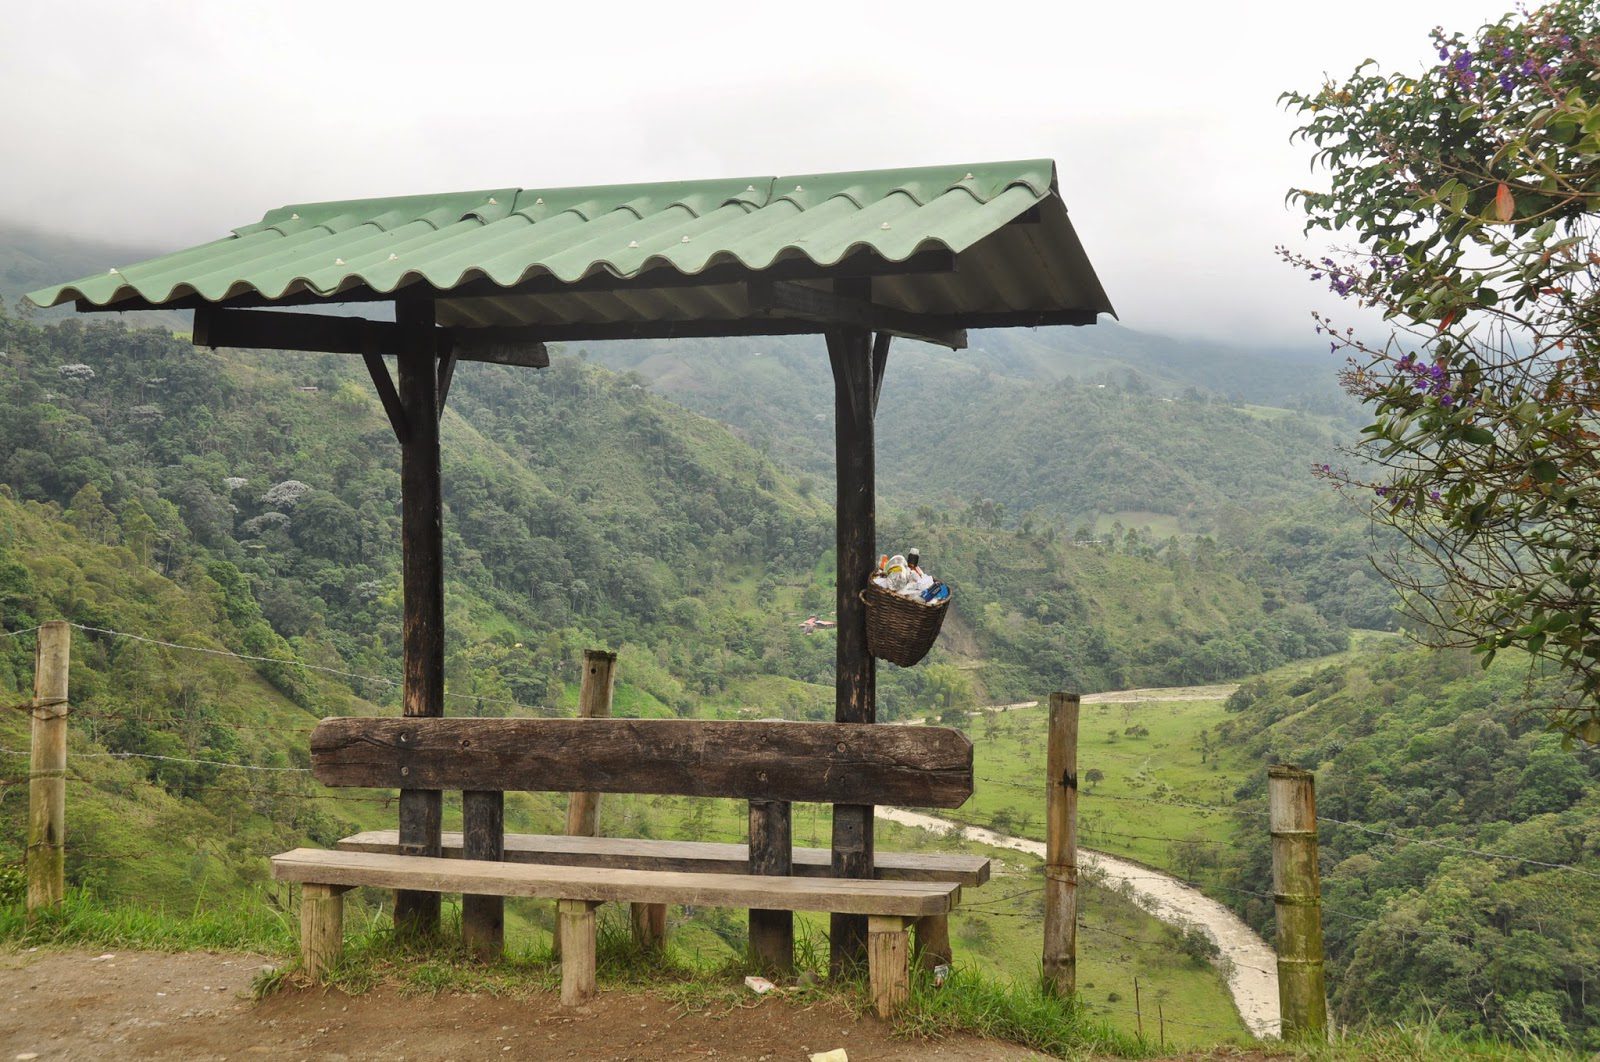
(498, 238)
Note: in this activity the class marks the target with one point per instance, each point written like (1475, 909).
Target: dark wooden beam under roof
(521, 345)
(829, 309)
(322, 333)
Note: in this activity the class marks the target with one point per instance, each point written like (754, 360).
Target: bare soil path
(197, 1005)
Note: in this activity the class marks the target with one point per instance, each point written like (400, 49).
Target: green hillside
(1067, 422)
(1482, 920)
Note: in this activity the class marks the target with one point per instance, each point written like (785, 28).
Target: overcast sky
(164, 124)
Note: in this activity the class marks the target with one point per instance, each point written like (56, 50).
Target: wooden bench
(765, 763)
(932, 932)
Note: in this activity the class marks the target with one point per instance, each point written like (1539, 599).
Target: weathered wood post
(1297, 899)
(850, 353)
(771, 852)
(47, 768)
(483, 836)
(422, 578)
(1061, 846)
(321, 928)
(594, 702)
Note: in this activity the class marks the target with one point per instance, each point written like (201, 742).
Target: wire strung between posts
(172, 759)
(108, 717)
(18, 634)
(1460, 848)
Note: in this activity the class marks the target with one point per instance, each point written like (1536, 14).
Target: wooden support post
(855, 690)
(933, 941)
(321, 928)
(422, 577)
(888, 962)
(1061, 846)
(575, 927)
(47, 768)
(649, 925)
(1297, 897)
(594, 702)
(649, 920)
(771, 852)
(483, 828)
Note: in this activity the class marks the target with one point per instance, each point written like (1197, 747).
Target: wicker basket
(901, 630)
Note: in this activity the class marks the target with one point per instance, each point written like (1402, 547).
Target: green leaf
(1545, 471)
(1477, 435)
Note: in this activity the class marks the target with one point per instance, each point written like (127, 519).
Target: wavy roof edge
(507, 236)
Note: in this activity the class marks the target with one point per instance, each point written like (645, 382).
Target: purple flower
(1507, 83)
(1444, 53)
(1434, 495)
(1464, 61)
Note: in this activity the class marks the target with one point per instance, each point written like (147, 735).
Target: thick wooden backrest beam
(817, 762)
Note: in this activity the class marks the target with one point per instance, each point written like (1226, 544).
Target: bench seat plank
(601, 884)
(624, 853)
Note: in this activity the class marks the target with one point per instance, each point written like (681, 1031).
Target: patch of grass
(1154, 765)
(1019, 1012)
(83, 921)
(1425, 1039)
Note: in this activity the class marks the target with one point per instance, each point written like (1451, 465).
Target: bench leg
(575, 928)
(321, 928)
(933, 940)
(888, 962)
(483, 918)
(649, 925)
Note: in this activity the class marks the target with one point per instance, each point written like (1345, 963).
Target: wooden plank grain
(818, 762)
(603, 885)
(707, 857)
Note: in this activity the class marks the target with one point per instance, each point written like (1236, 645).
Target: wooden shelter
(495, 275)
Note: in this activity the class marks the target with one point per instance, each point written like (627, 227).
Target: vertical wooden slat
(888, 963)
(321, 928)
(649, 922)
(1297, 899)
(422, 576)
(850, 354)
(575, 930)
(483, 827)
(594, 702)
(47, 768)
(771, 852)
(933, 941)
(1061, 846)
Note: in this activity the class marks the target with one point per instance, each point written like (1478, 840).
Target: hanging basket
(901, 630)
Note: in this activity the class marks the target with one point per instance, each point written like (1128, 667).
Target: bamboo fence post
(1061, 847)
(1297, 899)
(47, 768)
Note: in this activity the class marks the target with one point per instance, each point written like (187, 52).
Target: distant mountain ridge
(32, 258)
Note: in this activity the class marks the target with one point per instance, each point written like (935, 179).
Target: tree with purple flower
(1473, 192)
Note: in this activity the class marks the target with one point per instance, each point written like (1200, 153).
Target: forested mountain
(1065, 422)
(249, 502)
(1483, 919)
(581, 509)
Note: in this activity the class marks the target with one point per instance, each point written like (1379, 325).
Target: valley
(245, 504)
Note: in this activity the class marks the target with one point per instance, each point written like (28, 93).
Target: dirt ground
(77, 1004)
